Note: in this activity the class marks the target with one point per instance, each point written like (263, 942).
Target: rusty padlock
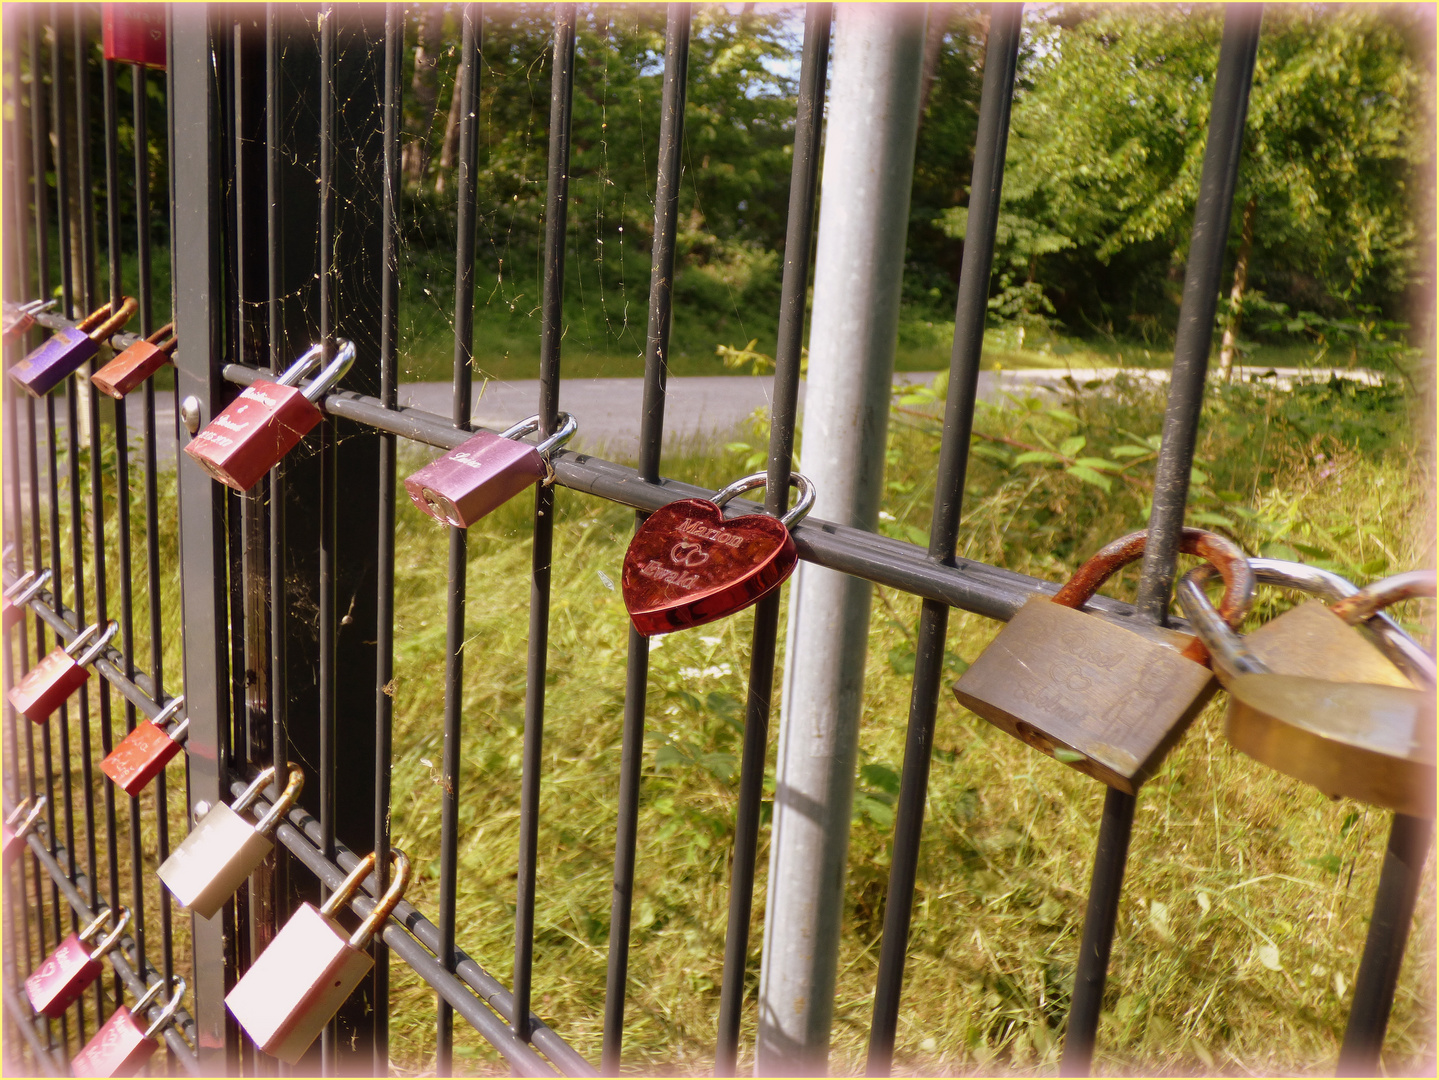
(134, 33)
(122, 1046)
(485, 472)
(15, 830)
(49, 684)
(1108, 698)
(1365, 740)
(19, 595)
(143, 754)
(252, 433)
(310, 968)
(137, 363)
(56, 984)
(20, 318)
(47, 365)
(223, 849)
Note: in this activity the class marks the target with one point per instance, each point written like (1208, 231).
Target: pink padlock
(49, 684)
(19, 595)
(121, 1046)
(57, 983)
(485, 472)
(15, 837)
(19, 320)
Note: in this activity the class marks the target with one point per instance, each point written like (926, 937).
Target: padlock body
(1107, 700)
(119, 1048)
(18, 327)
(475, 478)
(135, 33)
(56, 984)
(252, 434)
(139, 757)
(13, 613)
(47, 364)
(213, 862)
(1312, 641)
(298, 983)
(47, 686)
(131, 368)
(14, 843)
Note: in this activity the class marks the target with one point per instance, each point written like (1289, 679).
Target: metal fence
(270, 246)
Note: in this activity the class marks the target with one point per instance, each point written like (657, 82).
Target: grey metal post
(864, 211)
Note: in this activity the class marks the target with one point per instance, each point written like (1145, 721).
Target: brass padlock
(297, 984)
(224, 849)
(1106, 697)
(1365, 740)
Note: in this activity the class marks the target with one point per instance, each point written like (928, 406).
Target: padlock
(485, 472)
(134, 33)
(141, 755)
(56, 984)
(47, 365)
(688, 564)
(19, 319)
(263, 424)
(19, 595)
(14, 834)
(1365, 740)
(300, 981)
(224, 849)
(49, 684)
(122, 1046)
(1109, 698)
(137, 363)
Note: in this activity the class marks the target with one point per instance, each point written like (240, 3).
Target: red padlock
(15, 837)
(49, 684)
(137, 363)
(688, 565)
(263, 424)
(134, 33)
(300, 981)
(143, 754)
(19, 595)
(56, 984)
(485, 472)
(121, 1046)
(18, 320)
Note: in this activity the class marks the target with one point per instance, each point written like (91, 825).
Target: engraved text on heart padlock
(688, 565)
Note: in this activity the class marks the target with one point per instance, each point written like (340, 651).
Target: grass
(1247, 895)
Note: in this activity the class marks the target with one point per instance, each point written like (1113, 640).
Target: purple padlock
(47, 365)
(485, 472)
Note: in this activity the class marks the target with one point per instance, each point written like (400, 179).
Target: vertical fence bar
(467, 86)
(385, 539)
(652, 417)
(1195, 333)
(970, 310)
(551, 332)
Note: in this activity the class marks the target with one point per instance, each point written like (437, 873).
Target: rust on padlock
(137, 363)
(48, 365)
(1105, 698)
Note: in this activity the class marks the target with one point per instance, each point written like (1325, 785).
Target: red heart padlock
(19, 595)
(122, 1045)
(49, 684)
(56, 984)
(14, 838)
(141, 755)
(688, 565)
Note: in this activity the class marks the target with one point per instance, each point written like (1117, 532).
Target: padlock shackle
(93, 927)
(150, 994)
(78, 641)
(333, 372)
(171, 1008)
(113, 937)
(35, 307)
(1221, 552)
(94, 319)
(158, 338)
(1226, 648)
(33, 589)
(568, 426)
(281, 806)
(116, 322)
(796, 513)
(111, 629)
(399, 880)
(18, 584)
(251, 793)
(33, 816)
(1313, 580)
(161, 718)
(342, 896)
(1377, 595)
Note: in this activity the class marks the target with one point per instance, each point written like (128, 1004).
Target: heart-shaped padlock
(688, 565)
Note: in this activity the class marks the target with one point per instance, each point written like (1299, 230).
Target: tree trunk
(450, 147)
(1229, 345)
(425, 92)
(940, 16)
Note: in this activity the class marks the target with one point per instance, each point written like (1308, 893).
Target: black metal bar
(764, 641)
(467, 87)
(652, 415)
(1171, 488)
(1379, 967)
(385, 538)
(970, 311)
(86, 189)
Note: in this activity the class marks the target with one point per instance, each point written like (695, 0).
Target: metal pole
(1171, 487)
(868, 169)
